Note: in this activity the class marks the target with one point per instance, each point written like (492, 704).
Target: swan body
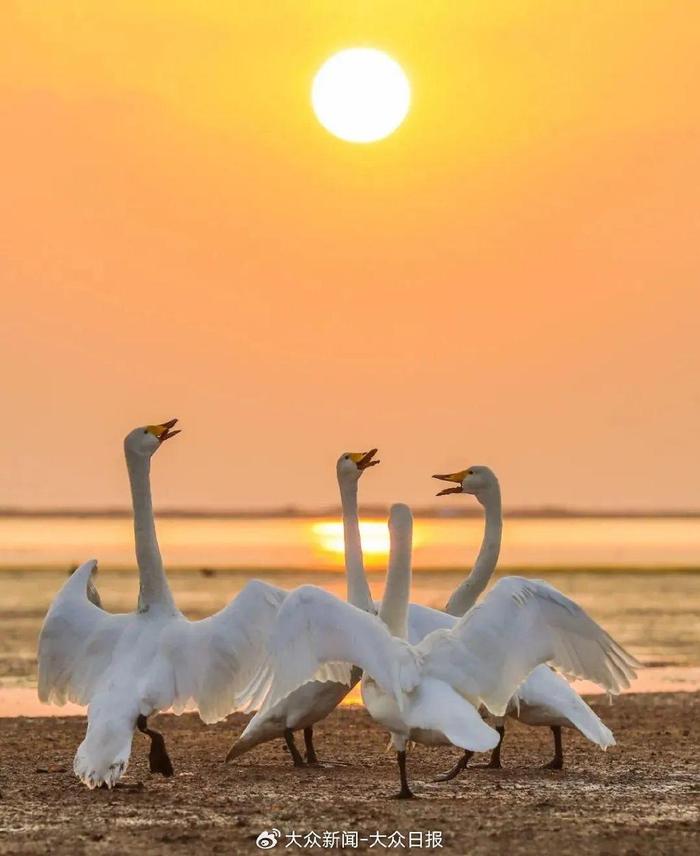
(423, 620)
(125, 667)
(311, 703)
(547, 699)
(302, 709)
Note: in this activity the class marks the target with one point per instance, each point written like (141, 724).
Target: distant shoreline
(372, 572)
(333, 512)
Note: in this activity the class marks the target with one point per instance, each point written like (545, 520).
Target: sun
(328, 541)
(361, 95)
(328, 535)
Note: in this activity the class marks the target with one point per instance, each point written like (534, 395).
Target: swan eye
(145, 430)
(347, 457)
(470, 472)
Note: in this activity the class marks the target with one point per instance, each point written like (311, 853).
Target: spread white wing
(316, 629)
(76, 642)
(208, 664)
(212, 664)
(520, 624)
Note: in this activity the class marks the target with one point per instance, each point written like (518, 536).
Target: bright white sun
(361, 95)
(374, 535)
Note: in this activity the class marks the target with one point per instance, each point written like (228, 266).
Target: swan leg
(557, 761)
(405, 793)
(495, 762)
(158, 758)
(293, 751)
(311, 757)
(457, 769)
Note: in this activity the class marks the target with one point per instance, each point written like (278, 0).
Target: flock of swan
(426, 675)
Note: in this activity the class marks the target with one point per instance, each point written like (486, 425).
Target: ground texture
(642, 797)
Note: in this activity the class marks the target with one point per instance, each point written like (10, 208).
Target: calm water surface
(316, 543)
(655, 614)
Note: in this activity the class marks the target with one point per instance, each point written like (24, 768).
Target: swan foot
(557, 762)
(293, 751)
(404, 795)
(123, 786)
(158, 758)
(311, 757)
(457, 769)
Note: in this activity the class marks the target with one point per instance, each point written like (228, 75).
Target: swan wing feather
(212, 664)
(520, 624)
(76, 642)
(315, 629)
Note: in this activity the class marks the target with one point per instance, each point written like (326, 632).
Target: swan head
(351, 465)
(400, 516)
(145, 440)
(477, 480)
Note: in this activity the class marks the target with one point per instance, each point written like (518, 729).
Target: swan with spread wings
(125, 667)
(546, 698)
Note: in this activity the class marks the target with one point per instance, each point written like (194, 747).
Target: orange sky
(512, 278)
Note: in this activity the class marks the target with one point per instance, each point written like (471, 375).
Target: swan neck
(358, 589)
(466, 595)
(153, 584)
(394, 608)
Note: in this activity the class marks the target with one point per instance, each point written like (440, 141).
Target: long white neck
(394, 609)
(153, 589)
(466, 595)
(358, 589)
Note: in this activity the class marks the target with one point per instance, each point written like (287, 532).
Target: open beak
(363, 460)
(164, 431)
(451, 477)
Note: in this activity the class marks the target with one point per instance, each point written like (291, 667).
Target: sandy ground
(641, 797)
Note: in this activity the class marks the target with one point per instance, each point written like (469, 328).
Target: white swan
(126, 667)
(545, 698)
(314, 701)
(431, 692)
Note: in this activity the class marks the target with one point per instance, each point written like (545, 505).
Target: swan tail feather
(436, 706)
(103, 756)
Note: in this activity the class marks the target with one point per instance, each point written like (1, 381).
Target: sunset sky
(512, 278)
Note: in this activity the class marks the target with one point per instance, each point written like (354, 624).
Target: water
(652, 612)
(316, 543)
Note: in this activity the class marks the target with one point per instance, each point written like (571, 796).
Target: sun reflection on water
(327, 537)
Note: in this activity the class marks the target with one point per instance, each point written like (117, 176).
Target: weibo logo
(268, 839)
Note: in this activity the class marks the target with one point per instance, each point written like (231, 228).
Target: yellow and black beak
(163, 431)
(451, 477)
(363, 460)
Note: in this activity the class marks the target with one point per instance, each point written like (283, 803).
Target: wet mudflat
(643, 796)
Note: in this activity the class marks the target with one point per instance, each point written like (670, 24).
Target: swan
(545, 698)
(431, 692)
(125, 667)
(314, 701)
